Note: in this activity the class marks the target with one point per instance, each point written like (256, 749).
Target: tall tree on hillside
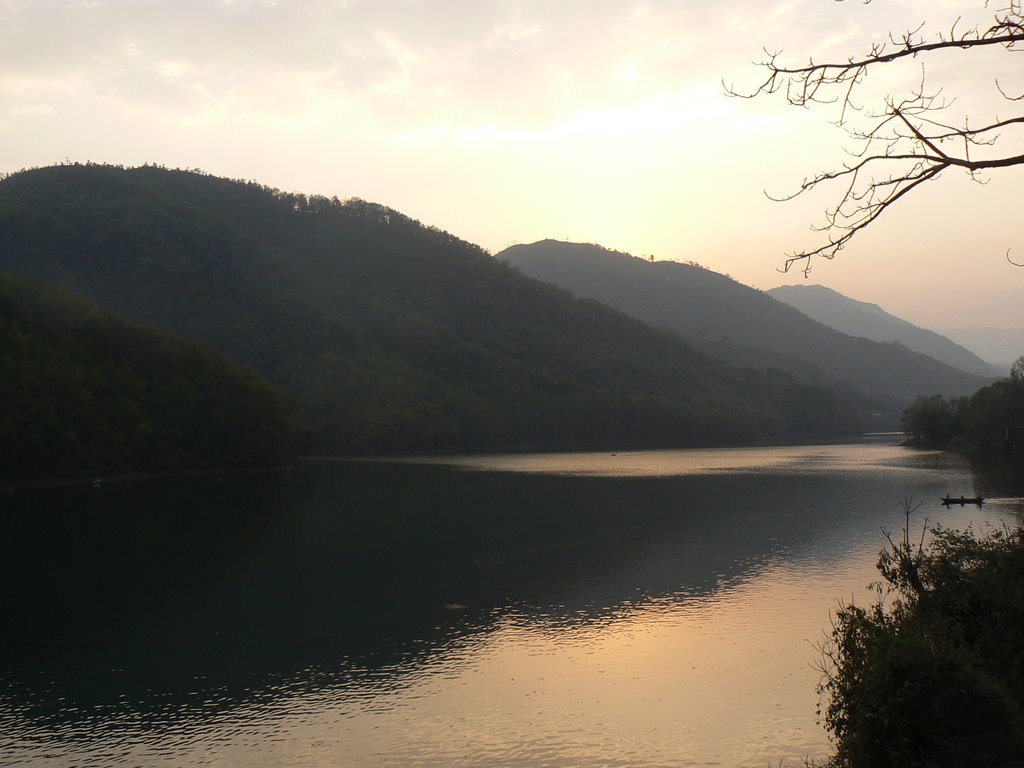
(1017, 370)
(905, 140)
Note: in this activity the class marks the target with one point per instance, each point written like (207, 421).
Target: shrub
(931, 674)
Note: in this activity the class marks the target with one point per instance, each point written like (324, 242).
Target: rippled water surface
(658, 608)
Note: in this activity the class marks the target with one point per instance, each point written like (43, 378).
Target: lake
(660, 608)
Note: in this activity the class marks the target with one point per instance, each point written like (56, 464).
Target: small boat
(947, 500)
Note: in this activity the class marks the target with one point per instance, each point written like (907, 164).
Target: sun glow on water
(563, 609)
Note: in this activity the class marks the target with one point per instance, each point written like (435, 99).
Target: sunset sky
(507, 121)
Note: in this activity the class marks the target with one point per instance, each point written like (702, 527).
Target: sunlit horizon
(509, 123)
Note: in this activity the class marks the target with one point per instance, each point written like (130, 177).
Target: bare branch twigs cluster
(905, 143)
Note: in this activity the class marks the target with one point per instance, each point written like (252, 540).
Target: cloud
(407, 65)
(599, 118)
(484, 61)
(35, 110)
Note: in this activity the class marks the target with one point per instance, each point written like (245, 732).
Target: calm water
(541, 610)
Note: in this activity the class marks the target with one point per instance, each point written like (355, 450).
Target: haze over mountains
(1000, 346)
(859, 318)
(392, 336)
(739, 323)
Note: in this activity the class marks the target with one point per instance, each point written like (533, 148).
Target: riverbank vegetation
(86, 392)
(931, 674)
(992, 419)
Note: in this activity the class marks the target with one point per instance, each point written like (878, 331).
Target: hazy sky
(507, 121)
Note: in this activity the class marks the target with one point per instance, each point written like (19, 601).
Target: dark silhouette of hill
(859, 318)
(392, 335)
(735, 321)
(86, 392)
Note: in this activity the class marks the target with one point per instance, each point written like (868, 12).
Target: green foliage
(978, 422)
(85, 392)
(1017, 370)
(932, 421)
(932, 673)
(392, 336)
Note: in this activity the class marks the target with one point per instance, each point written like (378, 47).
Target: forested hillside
(739, 323)
(85, 392)
(392, 335)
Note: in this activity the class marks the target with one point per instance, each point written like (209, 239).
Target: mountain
(858, 318)
(85, 392)
(393, 336)
(738, 322)
(1000, 346)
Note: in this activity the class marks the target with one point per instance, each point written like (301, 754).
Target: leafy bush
(932, 673)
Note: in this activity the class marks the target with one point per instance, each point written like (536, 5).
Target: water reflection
(778, 460)
(519, 610)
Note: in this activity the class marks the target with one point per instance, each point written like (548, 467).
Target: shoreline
(10, 486)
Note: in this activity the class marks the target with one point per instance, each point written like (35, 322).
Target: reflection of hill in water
(999, 476)
(165, 592)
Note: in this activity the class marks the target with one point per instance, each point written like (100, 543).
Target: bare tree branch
(905, 143)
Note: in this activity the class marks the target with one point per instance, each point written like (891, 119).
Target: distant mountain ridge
(391, 335)
(859, 318)
(738, 322)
